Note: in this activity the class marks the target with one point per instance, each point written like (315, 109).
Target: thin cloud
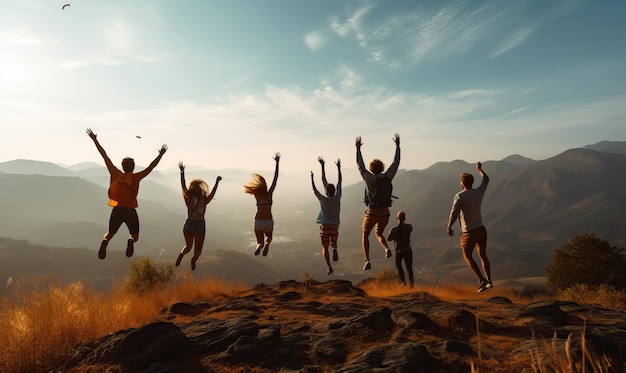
(22, 38)
(314, 40)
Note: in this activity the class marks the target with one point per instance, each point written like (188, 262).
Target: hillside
(531, 208)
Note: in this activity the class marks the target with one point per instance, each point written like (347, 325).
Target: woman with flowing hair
(263, 220)
(196, 197)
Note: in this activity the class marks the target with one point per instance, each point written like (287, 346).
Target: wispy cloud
(314, 40)
(22, 38)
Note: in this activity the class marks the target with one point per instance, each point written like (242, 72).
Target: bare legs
(263, 240)
(189, 243)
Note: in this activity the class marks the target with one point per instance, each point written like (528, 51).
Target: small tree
(587, 260)
(143, 275)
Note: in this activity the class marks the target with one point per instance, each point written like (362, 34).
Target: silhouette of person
(196, 198)
(467, 208)
(401, 236)
(376, 216)
(124, 211)
(263, 220)
(328, 217)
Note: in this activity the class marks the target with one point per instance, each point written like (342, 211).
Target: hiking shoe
(102, 253)
(387, 253)
(367, 265)
(483, 286)
(335, 255)
(130, 247)
(179, 259)
(330, 270)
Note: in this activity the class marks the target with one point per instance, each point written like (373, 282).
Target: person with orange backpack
(123, 190)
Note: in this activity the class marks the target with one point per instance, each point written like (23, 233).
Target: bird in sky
(64, 5)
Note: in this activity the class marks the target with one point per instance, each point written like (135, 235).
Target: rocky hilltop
(336, 327)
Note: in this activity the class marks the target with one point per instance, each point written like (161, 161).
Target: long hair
(256, 186)
(197, 188)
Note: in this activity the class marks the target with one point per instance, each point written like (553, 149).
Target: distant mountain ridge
(531, 207)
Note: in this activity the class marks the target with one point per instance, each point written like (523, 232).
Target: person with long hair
(401, 236)
(196, 197)
(263, 219)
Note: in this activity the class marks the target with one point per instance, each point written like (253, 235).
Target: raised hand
(92, 135)
(320, 160)
(396, 139)
(358, 142)
(338, 163)
(219, 178)
(277, 157)
(163, 149)
(181, 166)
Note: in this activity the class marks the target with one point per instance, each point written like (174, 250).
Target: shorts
(329, 234)
(477, 236)
(264, 225)
(127, 215)
(194, 228)
(375, 217)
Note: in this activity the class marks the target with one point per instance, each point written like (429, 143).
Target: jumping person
(123, 190)
(466, 206)
(377, 197)
(196, 197)
(401, 236)
(328, 217)
(263, 220)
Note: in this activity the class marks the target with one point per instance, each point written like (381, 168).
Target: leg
(481, 245)
(408, 262)
(467, 245)
(259, 240)
(368, 225)
(132, 222)
(197, 251)
(268, 240)
(115, 222)
(399, 268)
(380, 229)
(186, 249)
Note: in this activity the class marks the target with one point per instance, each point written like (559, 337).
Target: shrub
(143, 275)
(587, 260)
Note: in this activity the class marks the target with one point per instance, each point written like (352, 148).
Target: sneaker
(102, 253)
(367, 265)
(483, 286)
(257, 251)
(387, 253)
(178, 260)
(335, 255)
(330, 270)
(130, 247)
(489, 285)
(265, 250)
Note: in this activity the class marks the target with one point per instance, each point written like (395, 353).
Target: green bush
(587, 260)
(143, 275)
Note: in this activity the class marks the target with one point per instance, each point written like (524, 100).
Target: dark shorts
(329, 234)
(127, 215)
(475, 237)
(376, 217)
(194, 228)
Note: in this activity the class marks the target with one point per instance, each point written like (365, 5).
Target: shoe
(387, 253)
(130, 247)
(265, 250)
(489, 285)
(483, 286)
(178, 260)
(330, 270)
(102, 253)
(367, 265)
(335, 255)
(257, 251)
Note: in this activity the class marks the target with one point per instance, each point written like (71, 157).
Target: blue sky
(227, 83)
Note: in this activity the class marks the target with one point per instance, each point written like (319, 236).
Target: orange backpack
(120, 191)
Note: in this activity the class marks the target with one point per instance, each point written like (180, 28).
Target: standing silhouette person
(123, 190)
(467, 208)
(263, 219)
(328, 218)
(196, 197)
(401, 236)
(377, 197)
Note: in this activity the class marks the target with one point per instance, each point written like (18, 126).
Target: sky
(227, 83)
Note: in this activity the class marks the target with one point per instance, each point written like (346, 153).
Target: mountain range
(531, 207)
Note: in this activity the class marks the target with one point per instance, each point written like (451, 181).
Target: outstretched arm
(482, 173)
(315, 191)
(183, 184)
(107, 160)
(154, 163)
(359, 158)
(393, 168)
(277, 159)
(322, 163)
(339, 177)
(212, 194)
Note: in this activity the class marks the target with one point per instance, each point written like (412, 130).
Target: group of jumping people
(466, 207)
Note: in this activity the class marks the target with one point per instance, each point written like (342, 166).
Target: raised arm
(183, 184)
(393, 168)
(107, 161)
(212, 194)
(154, 163)
(482, 173)
(359, 158)
(322, 163)
(277, 159)
(339, 177)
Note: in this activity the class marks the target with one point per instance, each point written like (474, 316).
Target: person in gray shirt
(466, 207)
